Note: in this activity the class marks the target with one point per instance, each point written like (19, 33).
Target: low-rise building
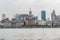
(13, 22)
(7, 25)
(19, 24)
(49, 23)
(30, 22)
(57, 20)
(6, 22)
(41, 22)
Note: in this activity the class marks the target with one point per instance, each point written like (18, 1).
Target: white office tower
(3, 16)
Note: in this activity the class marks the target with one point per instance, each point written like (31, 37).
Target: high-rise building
(17, 17)
(53, 16)
(43, 15)
(3, 16)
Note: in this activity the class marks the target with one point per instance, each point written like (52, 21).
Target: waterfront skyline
(12, 7)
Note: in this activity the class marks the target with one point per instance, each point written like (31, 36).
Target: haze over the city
(12, 7)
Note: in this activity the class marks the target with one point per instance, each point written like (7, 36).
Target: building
(19, 24)
(57, 20)
(43, 15)
(6, 22)
(3, 16)
(13, 22)
(17, 17)
(48, 22)
(20, 19)
(23, 16)
(41, 22)
(53, 17)
(36, 19)
(30, 19)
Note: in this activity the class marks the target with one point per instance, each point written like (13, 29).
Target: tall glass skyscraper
(43, 15)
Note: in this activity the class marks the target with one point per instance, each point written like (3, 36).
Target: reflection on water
(30, 34)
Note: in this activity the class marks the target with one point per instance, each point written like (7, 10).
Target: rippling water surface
(30, 34)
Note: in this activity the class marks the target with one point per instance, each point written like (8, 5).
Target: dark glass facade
(43, 15)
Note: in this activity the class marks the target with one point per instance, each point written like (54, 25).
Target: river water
(30, 34)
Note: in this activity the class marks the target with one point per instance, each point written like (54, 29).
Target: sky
(12, 7)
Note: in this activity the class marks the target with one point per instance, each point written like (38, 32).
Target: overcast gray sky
(12, 7)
